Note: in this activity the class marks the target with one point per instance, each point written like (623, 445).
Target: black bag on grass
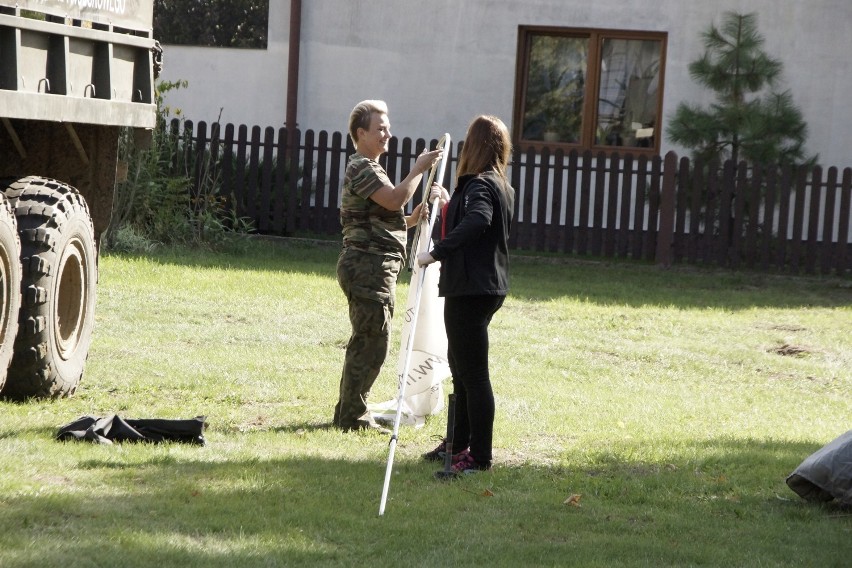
(116, 429)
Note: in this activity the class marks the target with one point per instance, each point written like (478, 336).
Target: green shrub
(158, 203)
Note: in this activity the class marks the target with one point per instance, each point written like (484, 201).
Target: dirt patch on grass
(787, 327)
(791, 350)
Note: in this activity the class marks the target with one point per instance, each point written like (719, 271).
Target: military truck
(74, 76)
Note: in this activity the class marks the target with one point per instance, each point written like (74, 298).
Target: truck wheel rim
(71, 298)
(5, 292)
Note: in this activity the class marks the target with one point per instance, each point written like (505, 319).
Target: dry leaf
(487, 493)
(573, 500)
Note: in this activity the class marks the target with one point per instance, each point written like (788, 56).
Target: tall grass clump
(158, 202)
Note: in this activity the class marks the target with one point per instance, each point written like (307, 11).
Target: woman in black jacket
(474, 280)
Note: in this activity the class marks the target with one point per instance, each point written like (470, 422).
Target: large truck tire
(10, 285)
(58, 283)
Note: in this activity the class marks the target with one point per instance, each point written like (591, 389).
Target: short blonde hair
(362, 114)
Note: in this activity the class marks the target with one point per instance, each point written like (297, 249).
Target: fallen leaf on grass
(485, 492)
(573, 500)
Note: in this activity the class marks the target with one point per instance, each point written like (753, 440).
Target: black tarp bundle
(113, 428)
(827, 473)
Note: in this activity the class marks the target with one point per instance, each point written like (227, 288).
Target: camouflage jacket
(367, 226)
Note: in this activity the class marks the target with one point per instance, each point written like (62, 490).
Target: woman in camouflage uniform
(374, 245)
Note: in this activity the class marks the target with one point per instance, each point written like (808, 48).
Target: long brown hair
(487, 146)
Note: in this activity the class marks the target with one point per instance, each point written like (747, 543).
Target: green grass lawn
(645, 417)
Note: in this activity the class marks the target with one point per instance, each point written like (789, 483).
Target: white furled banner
(424, 393)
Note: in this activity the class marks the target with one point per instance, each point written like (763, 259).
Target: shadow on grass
(33, 431)
(202, 509)
(542, 279)
(304, 428)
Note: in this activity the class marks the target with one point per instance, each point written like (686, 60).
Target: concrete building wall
(438, 63)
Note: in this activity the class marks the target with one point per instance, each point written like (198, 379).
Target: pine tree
(750, 120)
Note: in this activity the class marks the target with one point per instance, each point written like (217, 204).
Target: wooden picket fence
(660, 209)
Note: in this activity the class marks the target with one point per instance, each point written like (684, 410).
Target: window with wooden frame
(589, 88)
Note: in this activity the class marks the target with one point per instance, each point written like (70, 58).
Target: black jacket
(474, 252)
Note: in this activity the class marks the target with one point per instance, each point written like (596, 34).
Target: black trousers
(466, 319)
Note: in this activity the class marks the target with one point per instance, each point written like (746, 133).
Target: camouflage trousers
(369, 282)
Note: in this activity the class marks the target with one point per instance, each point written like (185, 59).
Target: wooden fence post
(668, 195)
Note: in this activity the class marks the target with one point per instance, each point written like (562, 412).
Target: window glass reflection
(627, 98)
(553, 110)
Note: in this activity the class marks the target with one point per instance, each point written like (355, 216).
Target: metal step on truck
(73, 74)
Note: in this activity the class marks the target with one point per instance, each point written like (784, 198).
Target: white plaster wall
(438, 63)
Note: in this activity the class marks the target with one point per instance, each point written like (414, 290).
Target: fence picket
(554, 232)
(280, 190)
(768, 225)
(524, 238)
(610, 235)
(570, 203)
(827, 256)
(753, 206)
(625, 206)
(198, 170)
(798, 218)
(240, 172)
(227, 175)
(813, 220)
(319, 208)
(597, 228)
(307, 173)
(265, 212)
(640, 234)
(725, 213)
(541, 201)
(683, 182)
(654, 207)
(292, 155)
(254, 169)
(338, 151)
(843, 256)
(738, 221)
(696, 192)
(515, 177)
(668, 196)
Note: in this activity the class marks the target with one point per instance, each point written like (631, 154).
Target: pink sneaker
(438, 453)
(464, 463)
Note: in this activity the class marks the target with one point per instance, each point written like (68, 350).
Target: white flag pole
(443, 144)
